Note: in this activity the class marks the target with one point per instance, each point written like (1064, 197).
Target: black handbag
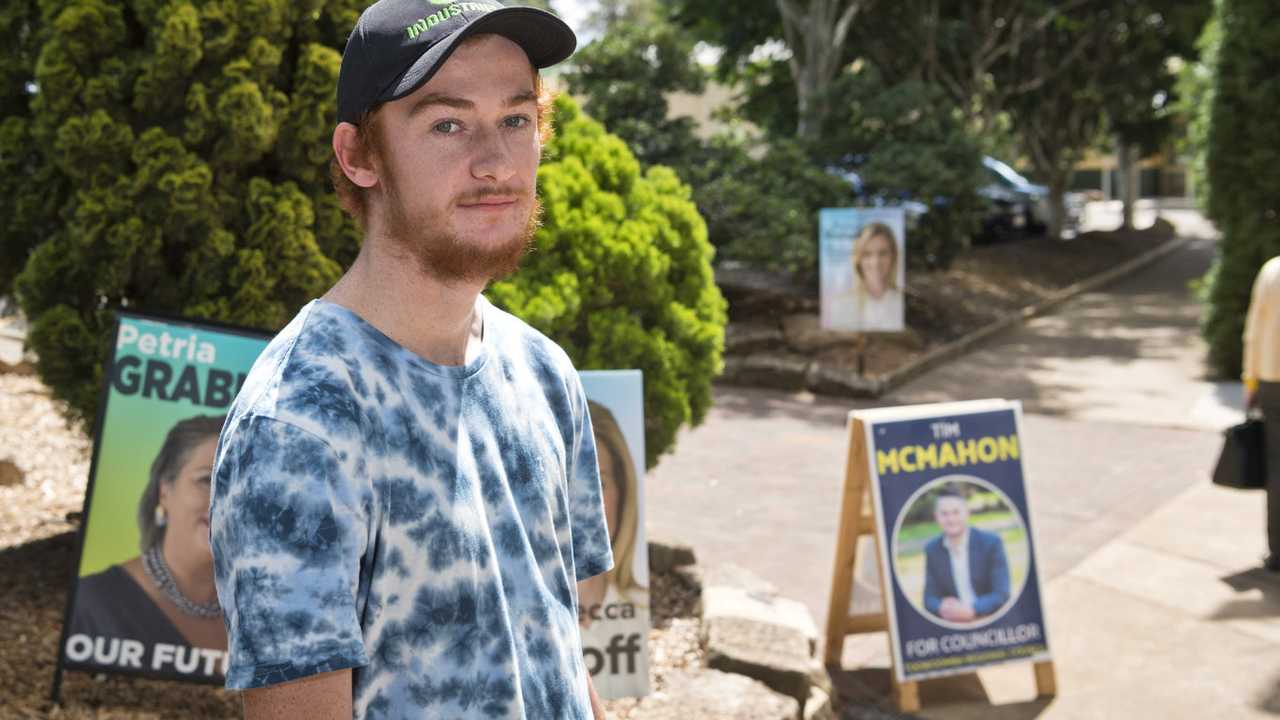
(1243, 462)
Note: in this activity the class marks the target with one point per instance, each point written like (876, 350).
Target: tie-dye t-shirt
(425, 525)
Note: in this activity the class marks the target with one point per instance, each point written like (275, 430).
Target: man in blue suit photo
(966, 571)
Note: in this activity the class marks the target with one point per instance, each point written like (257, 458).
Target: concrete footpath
(1155, 606)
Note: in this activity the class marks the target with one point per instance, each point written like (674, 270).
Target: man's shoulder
(301, 378)
(934, 544)
(982, 537)
(1270, 272)
(520, 337)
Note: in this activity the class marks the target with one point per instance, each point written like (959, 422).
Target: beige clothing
(1262, 328)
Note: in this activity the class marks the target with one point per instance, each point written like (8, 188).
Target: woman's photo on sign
(157, 612)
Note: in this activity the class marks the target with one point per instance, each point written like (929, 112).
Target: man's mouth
(489, 202)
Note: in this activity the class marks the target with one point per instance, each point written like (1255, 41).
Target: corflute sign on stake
(614, 607)
(956, 541)
(167, 388)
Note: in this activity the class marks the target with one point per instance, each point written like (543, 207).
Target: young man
(966, 571)
(406, 490)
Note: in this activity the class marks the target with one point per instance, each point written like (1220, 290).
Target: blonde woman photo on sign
(875, 266)
(619, 484)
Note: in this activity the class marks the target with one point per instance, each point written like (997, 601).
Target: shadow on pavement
(1252, 608)
(865, 695)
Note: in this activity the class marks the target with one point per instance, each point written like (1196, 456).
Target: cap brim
(545, 38)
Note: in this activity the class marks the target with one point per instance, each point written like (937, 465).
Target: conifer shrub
(621, 274)
(1243, 168)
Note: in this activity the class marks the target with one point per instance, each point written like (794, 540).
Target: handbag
(1243, 462)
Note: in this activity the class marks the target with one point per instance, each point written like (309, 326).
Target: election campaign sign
(953, 518)
(614, 607)
(862, 268)
(168, 386)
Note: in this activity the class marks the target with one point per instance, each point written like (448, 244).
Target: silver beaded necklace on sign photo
(158, 572)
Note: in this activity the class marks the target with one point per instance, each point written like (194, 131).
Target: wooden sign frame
(858, 520)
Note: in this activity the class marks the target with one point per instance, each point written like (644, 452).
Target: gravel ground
(38, 519)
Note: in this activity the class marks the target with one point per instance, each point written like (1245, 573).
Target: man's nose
(492, 160)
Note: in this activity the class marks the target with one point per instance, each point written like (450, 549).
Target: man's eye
(517, 121)
(447, 127)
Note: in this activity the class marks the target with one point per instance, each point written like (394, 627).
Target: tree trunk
(1127, 159)
(1058, 181)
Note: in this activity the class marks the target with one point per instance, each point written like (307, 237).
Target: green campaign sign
(144, 601)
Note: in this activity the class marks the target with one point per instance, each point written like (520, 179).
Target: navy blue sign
(957, 545)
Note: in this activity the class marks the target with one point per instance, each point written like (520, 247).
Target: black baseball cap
(397, 45)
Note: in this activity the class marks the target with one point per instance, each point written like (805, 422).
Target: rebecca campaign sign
(614, 607)
(952, 510)
(862, 268)
(144, 600)
(168, 387)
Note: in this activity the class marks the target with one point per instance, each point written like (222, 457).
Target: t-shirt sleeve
(288, 529)
(592, 553)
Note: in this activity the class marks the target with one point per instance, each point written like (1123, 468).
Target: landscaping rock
(745, 337)
(776, 655)
(726, 601)
(736, 576)
(818, 706)
(712, 695)
(10, 473)
(778, 370)
(804, 334)
(666, 555)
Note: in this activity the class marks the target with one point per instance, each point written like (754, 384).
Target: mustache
(488, 192)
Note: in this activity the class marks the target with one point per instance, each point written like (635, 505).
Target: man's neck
(389, 290)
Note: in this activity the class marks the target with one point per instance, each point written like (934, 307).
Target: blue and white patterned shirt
(423, 524)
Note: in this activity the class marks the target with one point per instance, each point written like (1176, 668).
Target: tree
(183, 150)
(625, 76)
(907, 141)
(621, 277)
(1143, 85)
(1243, 172)
(814, 33)
(759, 208)
(1194, 104)
(25, 197)
(961, 47)
(1122, 49)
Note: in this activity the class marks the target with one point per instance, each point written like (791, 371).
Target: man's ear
(354, 157)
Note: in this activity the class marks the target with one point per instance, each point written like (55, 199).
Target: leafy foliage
(1195, 103)
(762, 211)
(1243, 170)
(621, 277)
(625, 75)
(175, 161)
(908, 142)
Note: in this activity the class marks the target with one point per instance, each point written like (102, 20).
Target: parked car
(1018, 206)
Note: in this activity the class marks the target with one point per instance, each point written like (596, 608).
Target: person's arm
(270, 573)
(998, 567)
(932, 591)
(1253, 324)
(597, 707)
(326, 696)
